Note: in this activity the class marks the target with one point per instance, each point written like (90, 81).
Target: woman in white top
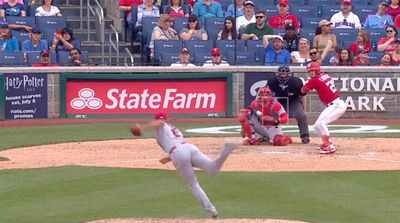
(47, 9)
(163, 31)
(303, 55)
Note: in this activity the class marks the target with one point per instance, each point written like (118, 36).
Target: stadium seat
(148, 24)
(376, 34)
(322, 2)
(263, 4)
(346, 43)
(229, 46)
(309, 22)
(212, 33)
(201, 57)
(51, 23)
(269, 10)
(359, 2)
(170, 46)
(375, 58)
(34, 57)
(63, 57)
(225, 4)
(364, 11)
(308, 34)
(256, 47)
(31, 9)
(180, 23)
(12, 59)
(305, 11)
(199, 46)
(169, 58)
(21, 34)
(242, 58)
(345, 34)
(374, 2)
(327, 11)
(280, 32)
(326, 61)
(214, 23)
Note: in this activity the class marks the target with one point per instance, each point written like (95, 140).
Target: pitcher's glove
(136, 131)
(270, 121)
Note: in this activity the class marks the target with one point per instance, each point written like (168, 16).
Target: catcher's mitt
(136, 131)
(269, 120)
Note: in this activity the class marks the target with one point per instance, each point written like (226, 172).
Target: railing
(97, 10)
(131, 57)
(113, 45)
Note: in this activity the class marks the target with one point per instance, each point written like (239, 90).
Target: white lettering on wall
(364, 103)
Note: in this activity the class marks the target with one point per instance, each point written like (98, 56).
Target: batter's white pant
(185, 157)
(331, 113)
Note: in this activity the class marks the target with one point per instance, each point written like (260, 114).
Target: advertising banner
(25, 96)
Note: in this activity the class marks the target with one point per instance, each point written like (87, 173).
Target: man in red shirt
(45, 60)
(330, 97)
(284, 17)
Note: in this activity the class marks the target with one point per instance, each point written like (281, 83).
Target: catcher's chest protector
(266, 106)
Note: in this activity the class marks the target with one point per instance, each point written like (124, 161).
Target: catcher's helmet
(264, 91)
(283, 73)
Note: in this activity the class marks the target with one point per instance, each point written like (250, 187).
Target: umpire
(287, 89)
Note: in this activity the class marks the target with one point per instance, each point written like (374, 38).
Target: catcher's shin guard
(282, 140)
(243, 117)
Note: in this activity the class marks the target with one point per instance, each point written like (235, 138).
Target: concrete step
(75, 23)
(71, 2)
(96, 58)
(74, 10)
(81, 34)
(95, 46)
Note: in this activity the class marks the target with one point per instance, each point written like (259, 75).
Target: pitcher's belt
(175, 147)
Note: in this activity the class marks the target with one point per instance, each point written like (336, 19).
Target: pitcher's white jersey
(168, 136)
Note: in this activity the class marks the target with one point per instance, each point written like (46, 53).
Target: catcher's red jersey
(324, 86)
(270, 107)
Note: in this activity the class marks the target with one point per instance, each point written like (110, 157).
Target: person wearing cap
(248, 16)
(230, 11)
(345, 19)
(291, 38)
(381, 19)
(257, 30)
(362, 59)
(396, 52)
(275, 54)
(283, 17)
(45, 60)
(7, 42)
(207, 8)
(184, 59)
(35, 43)
(193, 31)
(162, 31)
(216, 59)
(186, 156)
(12, 8)
(325, 40)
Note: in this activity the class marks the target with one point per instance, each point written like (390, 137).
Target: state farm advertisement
(146, 96)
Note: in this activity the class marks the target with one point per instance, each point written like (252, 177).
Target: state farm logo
(86, 99)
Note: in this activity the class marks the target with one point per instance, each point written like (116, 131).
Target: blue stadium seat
(264, 4)
(170, 46)
(359, 2)
(256, 47)
(31, 9)
(212, 33)
(63, 57)
(148, 24)
(214, 23)
(364, 11)
(310, 22)
(345, 34)
(199, 46)
(270, 10)
(346, 43)
(308, 34)
(12, 59)
(225, 4)
(229, 46)
(375, 58)
(21, 34)
(180, 23)
(242, 58)
(374, 2)
(328, 57)
(201, 57)
(169, 58)
(34, 57)
(280, 32)
(305, 11)
(375, 35)
(327, 11)
(51, 23)
(322, 2)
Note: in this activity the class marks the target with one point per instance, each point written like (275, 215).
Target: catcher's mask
(264, 94)
(283, 74)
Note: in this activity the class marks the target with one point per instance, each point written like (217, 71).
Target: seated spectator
(76, 58)
(35, 43)
(162, 31)
(394, 9)
(207, 8)
(324, 39)
(386, 43)
(397, 22)
(230, 11)
(345, 58)
(12, 8)
(315, 55)
(147, 9)
(193, 31)
(386, 60)
(302, 56)
(229, 30)
(216, 59)
(362, 43)
(275, 54)
(362, 59)
(396, 53)
(248, 16)
(184, 59)
(47, 9)
(7, 42)
(45, 60)
(18, 1)
(257, 30)
(126, 6)
(291, 38)
(64, 41)
(381, 19)
(176, 9)
(345, 19)
(284, 17)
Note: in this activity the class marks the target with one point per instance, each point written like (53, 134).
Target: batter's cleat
(327, 149)
(305, 140)
(248, 141)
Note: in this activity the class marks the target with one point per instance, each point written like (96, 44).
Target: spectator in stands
(325, 40)
(184, 59)
(284, 17)
(334, 59)
(193, 31)
(345, 19)
(248, 16)
(47, 9)
(302, 56)
(362, 59)
(397, 21)
(315, 56)
(216, 59)
(394, 9)
(275, 54)
(207, 8)
(380, 19)
(64, 41)
(12, 8)
(35, 43)
(176, 8)
(162, 31)
(345, 58)
(291, 38)
(76, 58)
(386, 60)
(229, 30)
(362, 43)
(147, 9)
(257, 30)
(396, 53)
(230, 11)
(126, 6)
(18, 1)
(45, 60)
(387, 43)
(7, 42)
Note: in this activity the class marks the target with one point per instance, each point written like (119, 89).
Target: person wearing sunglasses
(257, 30)
(216, 59)
(346, 19)
(381, 18)
(386, 44)
(283, 17)
(193, 31)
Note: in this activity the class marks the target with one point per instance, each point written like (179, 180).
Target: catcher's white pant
(331, 113)
(185, 157)
(265, 131)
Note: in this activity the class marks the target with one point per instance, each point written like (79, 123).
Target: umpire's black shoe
(305, 140)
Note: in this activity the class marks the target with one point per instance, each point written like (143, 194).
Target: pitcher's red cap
(160, 115)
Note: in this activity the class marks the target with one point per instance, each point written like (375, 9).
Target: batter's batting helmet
(283, 74)
(313, 66)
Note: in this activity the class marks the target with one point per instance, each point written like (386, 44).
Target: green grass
(76, 194)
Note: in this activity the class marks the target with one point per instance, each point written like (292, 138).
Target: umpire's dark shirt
(291, 89)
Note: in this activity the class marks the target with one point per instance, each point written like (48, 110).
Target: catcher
(262, 121)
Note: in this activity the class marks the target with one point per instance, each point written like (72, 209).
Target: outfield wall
(368, 92)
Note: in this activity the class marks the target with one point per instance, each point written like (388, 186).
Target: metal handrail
(113, 45)
(97, 11)
(131, 57)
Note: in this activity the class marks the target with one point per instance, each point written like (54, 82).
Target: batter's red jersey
(272, 108)
(279, 22)
(324, 86)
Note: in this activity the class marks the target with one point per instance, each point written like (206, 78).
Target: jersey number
(331, 86)
(175, 132)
